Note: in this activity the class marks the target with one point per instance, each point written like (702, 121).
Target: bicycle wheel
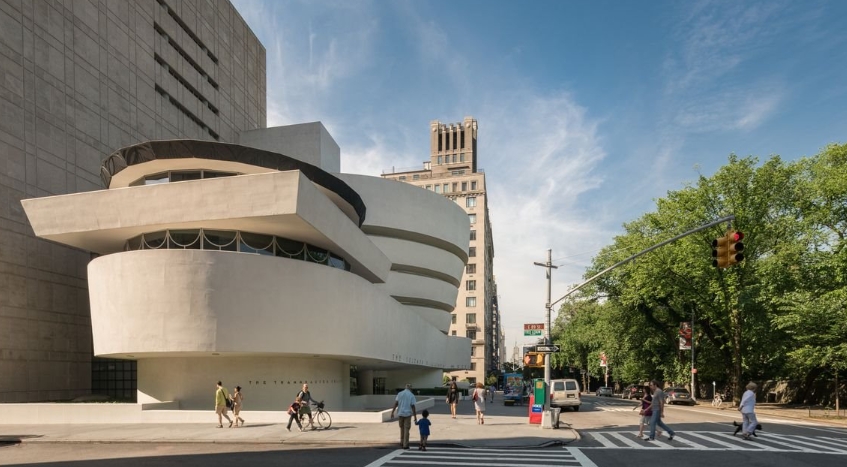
(324, 420)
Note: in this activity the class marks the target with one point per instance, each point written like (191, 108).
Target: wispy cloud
(544, 152)
(704, 90)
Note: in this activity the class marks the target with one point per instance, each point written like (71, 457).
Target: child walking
(294, 414)
(423, 424)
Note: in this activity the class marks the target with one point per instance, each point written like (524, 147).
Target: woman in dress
(453, 397)
(237, 401)
(479, 403)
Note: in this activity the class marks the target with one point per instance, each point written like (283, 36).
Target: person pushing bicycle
(306, 400)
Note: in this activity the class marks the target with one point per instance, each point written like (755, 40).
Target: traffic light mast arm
(644, 252)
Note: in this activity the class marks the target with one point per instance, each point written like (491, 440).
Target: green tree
(778, 314)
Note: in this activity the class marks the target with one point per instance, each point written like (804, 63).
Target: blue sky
(588, 111)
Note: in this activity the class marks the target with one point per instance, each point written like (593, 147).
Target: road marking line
(729, 446)
(488, 464)
(626, 440)
(601, 438)
(583, 460)
(793, 439)
(382, 460)
(842, 443)
(688, 442)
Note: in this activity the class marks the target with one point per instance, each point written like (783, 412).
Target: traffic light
(533, 360)
(734, 247)
(726, 250)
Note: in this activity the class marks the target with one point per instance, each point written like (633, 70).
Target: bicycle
(717, 401)
(320, 415)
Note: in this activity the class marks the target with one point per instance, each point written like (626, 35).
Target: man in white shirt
(405, 402)
(747, 407)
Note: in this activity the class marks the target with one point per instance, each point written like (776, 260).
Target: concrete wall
(78, 80)
(268, 383)
(308, 142)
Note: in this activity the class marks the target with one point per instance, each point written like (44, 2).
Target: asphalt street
(607, 429)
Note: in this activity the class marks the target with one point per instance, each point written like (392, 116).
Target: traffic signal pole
(549, 306)
(549, 266)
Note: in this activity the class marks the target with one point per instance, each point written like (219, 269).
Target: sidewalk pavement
(510, 431)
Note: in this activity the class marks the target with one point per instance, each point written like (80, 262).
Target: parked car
(604, 391)
(678, 396)
(633, 391)
(565, 393)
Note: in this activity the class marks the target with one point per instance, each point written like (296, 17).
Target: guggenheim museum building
(259, 264)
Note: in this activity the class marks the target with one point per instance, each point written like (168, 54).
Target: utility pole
(693, 369)
(548, 305)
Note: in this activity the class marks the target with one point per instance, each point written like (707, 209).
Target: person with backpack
(305, 400)
(222, 402)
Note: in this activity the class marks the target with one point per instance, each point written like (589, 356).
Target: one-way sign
(546, 348)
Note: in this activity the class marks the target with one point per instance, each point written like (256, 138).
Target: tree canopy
(779, 314)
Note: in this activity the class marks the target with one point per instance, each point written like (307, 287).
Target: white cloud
(539, 149)
(703, 88)
(541, 154)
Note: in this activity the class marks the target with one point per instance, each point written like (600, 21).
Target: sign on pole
(546, 348)
(685, 336)
(602, 358)
(536, 329)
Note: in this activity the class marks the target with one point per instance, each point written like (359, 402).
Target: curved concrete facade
(191, 317)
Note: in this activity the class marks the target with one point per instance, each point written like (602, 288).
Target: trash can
(550, 418)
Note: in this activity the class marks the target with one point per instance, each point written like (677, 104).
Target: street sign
(546, 348)
(535, 329)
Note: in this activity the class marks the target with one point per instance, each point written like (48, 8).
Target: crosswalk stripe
(688, 442)
(583, 460)
(719, 441)
(841, 443)
(626, 440)
(794, 440)
(601, 438)
(486, 457)
(733, 447)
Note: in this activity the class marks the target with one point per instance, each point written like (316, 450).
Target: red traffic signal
(726, 250)
(734, 247)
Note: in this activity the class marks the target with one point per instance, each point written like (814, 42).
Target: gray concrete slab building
(78, 80)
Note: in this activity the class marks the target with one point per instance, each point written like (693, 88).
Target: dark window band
(232, 240)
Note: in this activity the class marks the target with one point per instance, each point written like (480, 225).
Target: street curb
(289, 442)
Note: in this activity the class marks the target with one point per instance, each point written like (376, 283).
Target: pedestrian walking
(747, 407)
(491, 390)
(221, 402)
(423, 426)
(237, 402)
(453, 397)
(646, 412)
(479, 403)
(294, 414)
(305, 401)
(657, 405)
(404, 405)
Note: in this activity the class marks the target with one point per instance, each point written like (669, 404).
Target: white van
(565, 393)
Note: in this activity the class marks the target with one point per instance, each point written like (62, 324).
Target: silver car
(605, 391)
(678, 396)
